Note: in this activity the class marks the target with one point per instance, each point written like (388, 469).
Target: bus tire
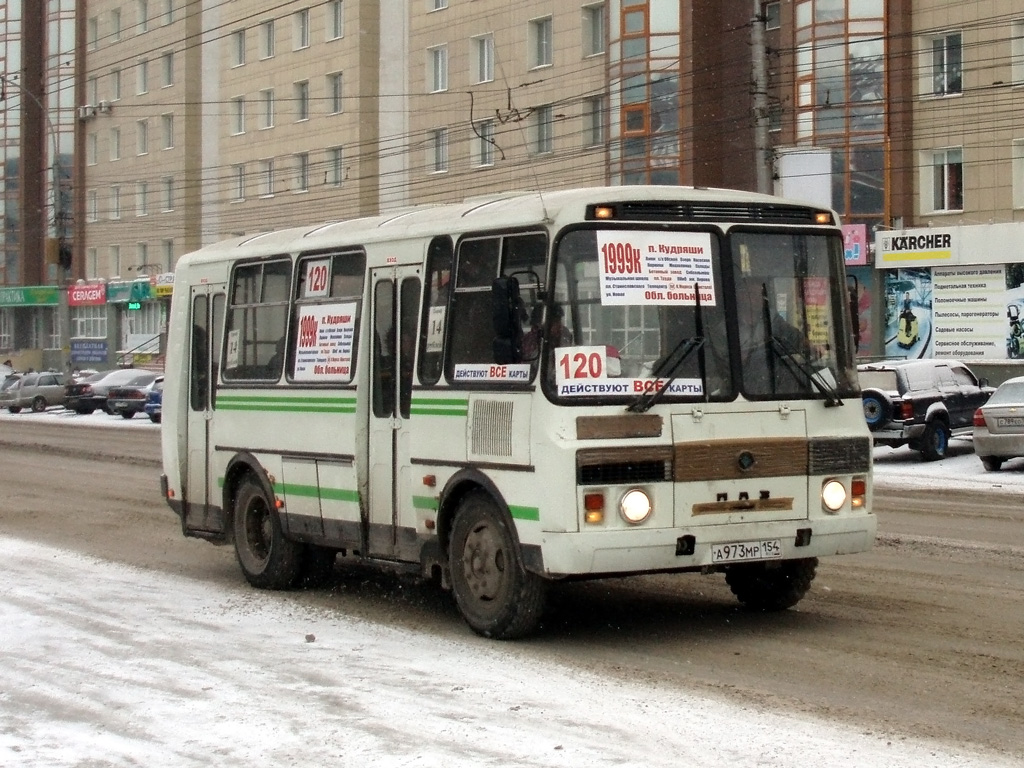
(268, 560)
(495, 594)
(771, 586)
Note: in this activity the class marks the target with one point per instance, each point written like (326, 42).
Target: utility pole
(759, 70)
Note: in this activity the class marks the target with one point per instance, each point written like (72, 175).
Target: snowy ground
(107, 665)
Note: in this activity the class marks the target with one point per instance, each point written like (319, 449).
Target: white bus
(529, 388)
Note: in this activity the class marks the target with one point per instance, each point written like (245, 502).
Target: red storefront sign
(87, 294)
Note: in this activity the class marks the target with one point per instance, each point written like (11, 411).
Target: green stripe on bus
(439, 406)
(286, 404)
(312, 491)
(424, 502)
(524, 513)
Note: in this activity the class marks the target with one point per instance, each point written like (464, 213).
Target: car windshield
(755, 312)
(1008, 392)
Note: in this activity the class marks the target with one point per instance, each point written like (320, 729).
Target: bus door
(202, 512)
(395, 300)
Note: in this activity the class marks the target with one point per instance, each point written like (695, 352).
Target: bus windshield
(697, 315)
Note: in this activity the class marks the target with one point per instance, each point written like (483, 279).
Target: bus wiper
(684, 348)
(796, 363)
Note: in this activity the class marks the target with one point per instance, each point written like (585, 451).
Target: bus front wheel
(771, 586)
(268, 560)
(497, 597)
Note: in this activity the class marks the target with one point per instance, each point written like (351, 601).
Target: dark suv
(921, 403)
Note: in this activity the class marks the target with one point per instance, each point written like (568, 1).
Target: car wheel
(991, 463)
(84, 410)
(877, 408)
(268, 559)
(14, 409)
(39, 404)
(771, 586)
(495, 594)
(935, 441)
(127, 414)
(155, 418)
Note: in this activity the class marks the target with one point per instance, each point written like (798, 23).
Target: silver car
(37, 391)
(999, 425)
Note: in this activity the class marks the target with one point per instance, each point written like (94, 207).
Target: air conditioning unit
(87, 111)
(104, 107)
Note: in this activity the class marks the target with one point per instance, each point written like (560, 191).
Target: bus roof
(498, 211)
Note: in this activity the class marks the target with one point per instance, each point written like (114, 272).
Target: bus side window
(257, 320)
(200, 357)
(435, 308)
(471, 326)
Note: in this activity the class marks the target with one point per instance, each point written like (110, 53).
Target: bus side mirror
(506, 308)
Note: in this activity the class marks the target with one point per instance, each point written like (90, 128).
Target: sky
(103, 664)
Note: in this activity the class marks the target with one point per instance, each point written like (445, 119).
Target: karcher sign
(917, 247)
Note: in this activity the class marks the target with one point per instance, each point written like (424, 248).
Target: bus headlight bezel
(635, 506)
(833, 495)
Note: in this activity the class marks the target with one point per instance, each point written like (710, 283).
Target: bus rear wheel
(497, 597)
(771, 586)
(268, 560)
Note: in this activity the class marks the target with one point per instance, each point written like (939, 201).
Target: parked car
(155, 400)
(87, 395)
(921, 403)
(999, 425)
(130, 398)
(36, 390)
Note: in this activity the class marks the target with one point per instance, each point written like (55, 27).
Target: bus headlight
(635, 506)
(833, 495)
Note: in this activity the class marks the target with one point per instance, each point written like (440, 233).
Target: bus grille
(838, 455)
(705, 211)
(624, 473)
(491, 428)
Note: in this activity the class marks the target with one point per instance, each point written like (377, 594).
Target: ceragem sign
(87, 294)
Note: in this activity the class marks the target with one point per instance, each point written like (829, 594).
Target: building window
(301, 100)
(947, 64)
(142, 198)
(438, 5)
(439, 150)
(238, 48)
(168, 193)
(267, 111)
(593, 30)
(334, 93)
(543, 129)
(91, 144)
(302, 172)
(1017, 51)
(1017, 164)
(114, 262)
(266, 171)
(593, 121)
(142, 77)
(238, 115)
(142, 12)
(540, 42)
(168, 66)
(167, 123)
(267, 39)
(168, 15)
(92, 33)
(92, 91)
(141, 255)
(335, 167)
(947, 169)
(485, 143)
(92, 205)
(438, 68)
(115, 24)
(115, 202)
(92, 263)
(335, 19)
(300, 29)
(238, 182)
(773, 15)
(142, 137)
(115, 143)
(484, 58)
(90, 321)
(167, 260)
(115, 85)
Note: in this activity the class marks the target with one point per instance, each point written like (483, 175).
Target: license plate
(1010, 421)
(740, 551)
